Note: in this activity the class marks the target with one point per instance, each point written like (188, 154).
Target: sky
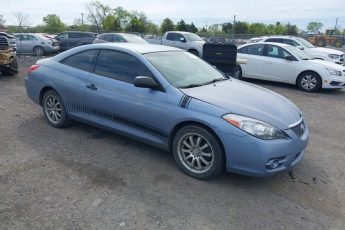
(208, 12)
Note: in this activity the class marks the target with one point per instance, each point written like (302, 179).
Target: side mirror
(145, 82)
(290, 58)
(182, 40)
(300, 47)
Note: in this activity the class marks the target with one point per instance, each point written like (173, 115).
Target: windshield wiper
(215, 80)
(191, 86)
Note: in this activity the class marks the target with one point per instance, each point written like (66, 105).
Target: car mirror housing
(182, 40)
(145, 82)
(300, 47)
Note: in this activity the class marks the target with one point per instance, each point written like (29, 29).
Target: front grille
(3, 43)
(299, 129)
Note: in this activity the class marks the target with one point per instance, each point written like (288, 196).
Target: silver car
(38, 44)
(119, 37)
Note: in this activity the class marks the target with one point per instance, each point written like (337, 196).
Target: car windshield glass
(184, 70)
(134, 39)
(193, 37)
(297, 52)
(305, 43)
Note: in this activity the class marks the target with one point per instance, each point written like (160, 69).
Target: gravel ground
(86, 178)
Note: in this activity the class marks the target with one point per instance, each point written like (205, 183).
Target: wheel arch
(308, 71)
(194, 50)
(182, 124)
(37, 46)
(43, 91)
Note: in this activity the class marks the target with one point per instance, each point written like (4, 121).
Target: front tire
(309, 82)
(54, 110)
(198, 152)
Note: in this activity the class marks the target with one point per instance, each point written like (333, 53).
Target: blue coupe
(174, 100)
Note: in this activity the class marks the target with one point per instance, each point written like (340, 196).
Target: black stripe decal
(115, 118)
(185, 101)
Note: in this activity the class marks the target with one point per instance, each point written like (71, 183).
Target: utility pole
(336, 24)
(233, 28)
(82, 19)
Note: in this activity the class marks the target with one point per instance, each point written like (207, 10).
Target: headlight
(255, 127)
(334, 56)
(334, 72)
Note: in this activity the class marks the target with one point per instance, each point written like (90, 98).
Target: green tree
(291, 29)
(191, 28)
(111, 23)
(53, 24)
(314, 26)
(152, 28)
(97, 13)
(257, 28)
(2, 20)
(241, 27)
(167, 25)
(279, 29)
(227, 27)
(136, 25)
(181, 26)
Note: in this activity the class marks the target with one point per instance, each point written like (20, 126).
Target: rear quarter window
(171, 37)
(84, 60)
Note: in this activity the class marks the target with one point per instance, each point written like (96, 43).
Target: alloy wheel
(308, 82)
(52, 108)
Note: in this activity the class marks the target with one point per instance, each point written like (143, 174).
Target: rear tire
(309, 82)
(39, 51)
(12, 69)
(196, 53)
(238, 73)
(197, 152)
(54, 110)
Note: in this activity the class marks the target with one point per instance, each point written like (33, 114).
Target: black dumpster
(222, 56)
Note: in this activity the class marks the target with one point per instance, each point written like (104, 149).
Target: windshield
(183, 69)
(134, 39)
(193, 37)
(297, 52)
(305, 43)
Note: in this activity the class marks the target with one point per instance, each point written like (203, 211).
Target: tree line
(103, 18)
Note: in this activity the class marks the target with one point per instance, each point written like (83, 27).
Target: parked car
(321, 53)
(184, 40)
(72, 39)
(119, 37)
(8, 61)
(153, 39)
(30, 43)
(285, 63)
(174, 100)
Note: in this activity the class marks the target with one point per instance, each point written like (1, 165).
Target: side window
(256, 49)
(171, 37)
(119, 66)
(75, 35)
(178, 37)
(288, 41)
(84, 60)
(243, 50)
(63, 36)
(276, 52)
(118, 38)
(107, 37)
(294, 43)
(277, 40)
(31, 38)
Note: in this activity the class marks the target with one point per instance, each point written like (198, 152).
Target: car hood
(327, 64)
(246, 99)
(198, 42)
(325, 50)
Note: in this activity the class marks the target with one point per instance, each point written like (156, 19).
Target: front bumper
(252, 156)
(51, 49)
(334, 82)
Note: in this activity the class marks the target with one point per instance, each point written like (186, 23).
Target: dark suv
(72, 39)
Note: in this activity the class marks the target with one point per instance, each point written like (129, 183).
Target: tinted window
(276, 52)
(62, 36)
(79, 35)
(120, 66)
(178, 37)
(278, 40)
(171, 37)
(84, 60)
(290, 42)
(118, 38)
(106, 37)
(255, 49)
(243, 50)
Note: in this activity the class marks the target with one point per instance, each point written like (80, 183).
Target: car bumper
(51, 49)
(252, 156)
(333, 82)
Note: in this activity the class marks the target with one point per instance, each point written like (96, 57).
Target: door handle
(91, 86)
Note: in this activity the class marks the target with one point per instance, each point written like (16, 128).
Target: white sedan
(285, 63)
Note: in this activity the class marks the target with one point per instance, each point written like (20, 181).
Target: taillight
(33, 68)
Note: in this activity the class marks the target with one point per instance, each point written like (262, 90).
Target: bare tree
(2, 20)
(22, 19)
(97, 13)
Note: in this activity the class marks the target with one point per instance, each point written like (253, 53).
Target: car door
(254, 55)
(115, 102)
(180, 44)
(170, 40)
(74, 78)
(63, 40)
(26, 43)
(277, 67)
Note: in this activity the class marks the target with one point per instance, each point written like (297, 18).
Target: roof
(265, 43)
(275, 36)
(139, 48)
